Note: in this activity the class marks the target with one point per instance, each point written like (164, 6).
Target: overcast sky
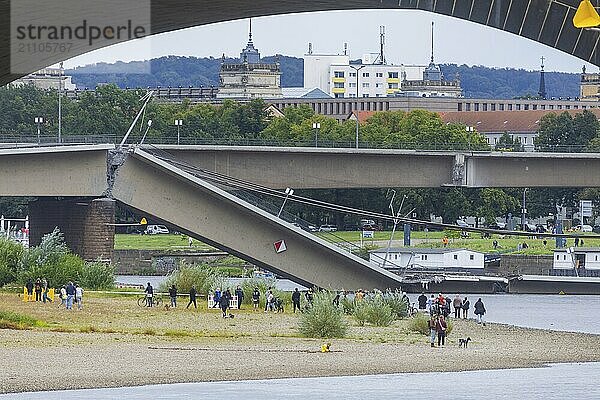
(407, 40)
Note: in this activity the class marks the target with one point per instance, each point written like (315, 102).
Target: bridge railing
(14, 140)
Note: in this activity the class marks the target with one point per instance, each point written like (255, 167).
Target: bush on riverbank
(205, 277)
(51, 260)
(97, 275)
(263, 285)
(323, 319)
(11, 255)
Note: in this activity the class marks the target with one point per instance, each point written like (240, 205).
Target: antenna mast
(432, 41)
(381, 44)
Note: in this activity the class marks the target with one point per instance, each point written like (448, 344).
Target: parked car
(364, 222)
(156, 229)
(328, 228)
(306, 227)
(462, 223)
(498, 226)
(584, 228)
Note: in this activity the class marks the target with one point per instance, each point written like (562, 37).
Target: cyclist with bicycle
(149, 294)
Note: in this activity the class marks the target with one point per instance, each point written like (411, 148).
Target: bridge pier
(86, 224)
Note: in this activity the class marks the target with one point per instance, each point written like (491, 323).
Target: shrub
(399, 307)
(97, 275)
(348, 305)
(378, 313)
(360, 312)
(205, 277)
(51, 260)
(11, 254)
(323, 319)
(12, 320)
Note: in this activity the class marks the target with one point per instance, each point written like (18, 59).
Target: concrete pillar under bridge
(86, 224)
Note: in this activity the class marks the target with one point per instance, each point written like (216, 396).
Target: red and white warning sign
(280, 246)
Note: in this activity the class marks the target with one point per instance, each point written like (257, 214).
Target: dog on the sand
(462, 342)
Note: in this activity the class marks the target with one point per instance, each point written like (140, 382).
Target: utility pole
(60, 78)
(356, 69)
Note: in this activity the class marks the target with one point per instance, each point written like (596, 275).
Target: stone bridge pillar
(86, 225)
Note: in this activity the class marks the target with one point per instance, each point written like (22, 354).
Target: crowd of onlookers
(68, 294)
(440, 308)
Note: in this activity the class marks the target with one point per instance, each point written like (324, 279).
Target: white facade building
(46, 78)
(334, 74)
(577, 257)
(424, 258)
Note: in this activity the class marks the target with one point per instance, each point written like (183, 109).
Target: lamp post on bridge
(356, 69)
(316, 126)
(38, 121)
(288, 193)
(178, 124)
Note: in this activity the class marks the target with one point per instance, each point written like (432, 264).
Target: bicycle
(143, 301)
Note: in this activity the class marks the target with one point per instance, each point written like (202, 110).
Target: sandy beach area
(113, 342)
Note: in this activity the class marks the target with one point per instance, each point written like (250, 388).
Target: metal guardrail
(14, 141)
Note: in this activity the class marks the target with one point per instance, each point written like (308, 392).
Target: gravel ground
(250, 346)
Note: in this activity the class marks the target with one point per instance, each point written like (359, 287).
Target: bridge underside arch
(546, 21)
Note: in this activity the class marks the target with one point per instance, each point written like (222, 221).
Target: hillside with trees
(174, 71)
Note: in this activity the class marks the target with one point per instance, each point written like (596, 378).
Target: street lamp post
(288, 193)
(356, 69)
(178, 124)
(60, 78)
(145, 133)
(38, 121)
(523, 211)
(316, 126)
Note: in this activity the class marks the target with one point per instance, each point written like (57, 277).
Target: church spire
(431, 41)
(250, 32)
(542, 90)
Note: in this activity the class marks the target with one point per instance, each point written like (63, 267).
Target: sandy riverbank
(159, 346)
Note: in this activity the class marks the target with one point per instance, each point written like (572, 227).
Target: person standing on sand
(267, 298)
(192, 297)
(441, 327)
(480, 311)
(173, 296)
(422, 301)
(45, 288)
(38, 290)
(79, 297)
(70, 295)
(465, 307)
(63, 296)
(255, 298)
(296, 299)
(432, 329)
(240, 296)
(149, 294)
(457, 303)
(430, 304)
(216, 298)
(224, 303)
(29, 287)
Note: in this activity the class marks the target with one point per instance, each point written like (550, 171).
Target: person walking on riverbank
(79, 297)
(296, 299)
(255, 298)
(192, 297)
(70, 295)
(465, 307)
(441, 327)
(63, 296)
(45, 289)
(432, 329)
(269, 302)
(224, 303)
(457, 304)
(480, 311)
(173, 296)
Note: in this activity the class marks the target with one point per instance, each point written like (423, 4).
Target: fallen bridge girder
(154, 186)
